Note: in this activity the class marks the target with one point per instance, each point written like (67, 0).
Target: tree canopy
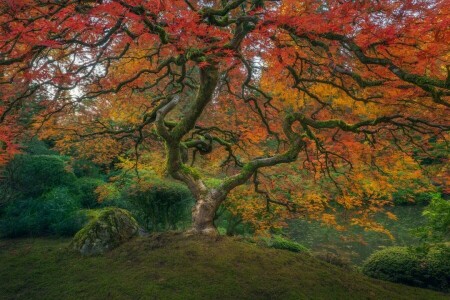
(219, 94)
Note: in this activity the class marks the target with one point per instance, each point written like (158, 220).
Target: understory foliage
(87, 187)
(56, 212)
(34, 175)
(157, 204)
(41, 195)
(160, 205)
(437, 214)
(424, 267)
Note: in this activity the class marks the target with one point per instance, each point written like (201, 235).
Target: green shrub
(61, 209)
(160, 204)
(396, 264)
(410, 197)
(437, 262)
(86, 187)
(424, 268)
(34, 175)
(55, 213)
(222, 230)
(437, 214)
(278, 242)
(85, 168)
(230, 223)
(38, 147)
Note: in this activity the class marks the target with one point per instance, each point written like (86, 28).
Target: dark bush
(86, 187)
(34, 175)
(411, 197)
(38, 147)
(437, 263)
(160, 205)
(230, 224)
(85, 168)
(55, 213)
(429, 268)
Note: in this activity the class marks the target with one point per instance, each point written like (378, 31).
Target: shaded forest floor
(172, 266)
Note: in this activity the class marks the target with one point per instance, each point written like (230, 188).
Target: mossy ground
(172, 266)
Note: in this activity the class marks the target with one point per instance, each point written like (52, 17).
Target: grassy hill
(171, 266)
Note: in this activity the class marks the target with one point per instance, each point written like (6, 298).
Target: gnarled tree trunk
(203, 214)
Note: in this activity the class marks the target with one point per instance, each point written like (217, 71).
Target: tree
(334, 85)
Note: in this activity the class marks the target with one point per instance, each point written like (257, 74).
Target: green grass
(171, 266)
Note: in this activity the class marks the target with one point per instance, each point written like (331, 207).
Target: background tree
(345, 88)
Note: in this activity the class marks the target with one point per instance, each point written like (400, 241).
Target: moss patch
(191, 171)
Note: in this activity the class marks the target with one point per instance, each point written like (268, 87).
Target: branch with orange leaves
(297, 141)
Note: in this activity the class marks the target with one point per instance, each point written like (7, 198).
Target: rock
(111, 228)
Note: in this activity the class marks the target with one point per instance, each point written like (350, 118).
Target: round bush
(396, 264)
(429, 267)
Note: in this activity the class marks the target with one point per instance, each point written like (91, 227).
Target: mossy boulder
(112, 227)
